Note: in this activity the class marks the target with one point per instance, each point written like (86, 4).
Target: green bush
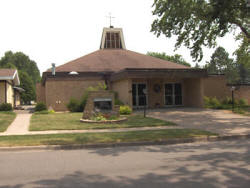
(125, 110)
(227, 100)
(83, 101)
(215, 103)
(40, 107)
(74, 105)
(242, 102)
(118, 102)
(206, 101)
(6, 107)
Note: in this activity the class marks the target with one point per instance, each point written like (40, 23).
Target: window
(173, 94)
(112, 40)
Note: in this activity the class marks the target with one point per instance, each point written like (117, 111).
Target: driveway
(218, 121)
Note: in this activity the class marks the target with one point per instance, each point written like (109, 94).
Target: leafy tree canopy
(175, 58)
(29, 73)
(198, 23)
(243, 59)
(219, 62)
(28, 86)
(21, 62)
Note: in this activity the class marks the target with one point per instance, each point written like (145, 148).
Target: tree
(220, 63)
(243, 60)
(21, 62)
(175, 58)
(28, 72)
(199, 23)
(28, 86)
(197, 66)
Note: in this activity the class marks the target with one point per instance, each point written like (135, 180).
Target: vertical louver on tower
(112, 38)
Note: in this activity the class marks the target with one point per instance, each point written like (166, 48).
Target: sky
(58, 31)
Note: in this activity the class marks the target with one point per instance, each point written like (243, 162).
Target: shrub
(206, 101)
(40, 107)
(214, 103)
(6, 107)
(125, 110)
(242, 102)
(227, 100)
(83, 101)
(73, 105)
(118, 102)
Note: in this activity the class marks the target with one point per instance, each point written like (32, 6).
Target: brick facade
(216, 86)
(243, 92)
(57, 92)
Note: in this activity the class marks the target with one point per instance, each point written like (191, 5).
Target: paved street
(214, 164)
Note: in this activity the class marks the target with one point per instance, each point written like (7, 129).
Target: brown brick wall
(216, 86)
(193, 92)
(243, 92)
(58, 93)
(124, 90)
(40, 93)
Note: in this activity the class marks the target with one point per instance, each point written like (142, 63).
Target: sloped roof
(10, 74)
(7, 73)
(114, 60)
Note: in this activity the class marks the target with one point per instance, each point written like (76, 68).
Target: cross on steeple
(110, 19)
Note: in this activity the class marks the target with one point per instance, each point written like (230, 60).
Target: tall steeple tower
(112, 38)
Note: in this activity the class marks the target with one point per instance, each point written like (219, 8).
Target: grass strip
(6, 118)
(71, 121)
(94, 138)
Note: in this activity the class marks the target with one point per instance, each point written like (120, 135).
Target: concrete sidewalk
(20, 125)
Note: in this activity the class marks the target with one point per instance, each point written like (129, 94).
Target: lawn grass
(6, 119)
(94, 138)
(71, 121)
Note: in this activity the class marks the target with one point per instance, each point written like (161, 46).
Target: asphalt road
(215, 164)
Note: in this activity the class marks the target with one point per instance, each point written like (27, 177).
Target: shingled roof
(7, 73)
(114, 60)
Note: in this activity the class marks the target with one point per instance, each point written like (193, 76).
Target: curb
(123, 144)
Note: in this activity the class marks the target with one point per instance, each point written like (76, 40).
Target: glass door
(139, 98)
(173, 94)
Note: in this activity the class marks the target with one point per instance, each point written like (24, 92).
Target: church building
(134, 76)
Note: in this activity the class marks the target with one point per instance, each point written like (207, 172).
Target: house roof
(7, 73)
(114, 60)
(10, 74)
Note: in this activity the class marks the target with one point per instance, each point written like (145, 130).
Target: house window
(173, 94)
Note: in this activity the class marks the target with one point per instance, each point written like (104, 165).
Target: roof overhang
(60, 75)
(14, 77)
(18, 89)
(159, 73)
(131, 73)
